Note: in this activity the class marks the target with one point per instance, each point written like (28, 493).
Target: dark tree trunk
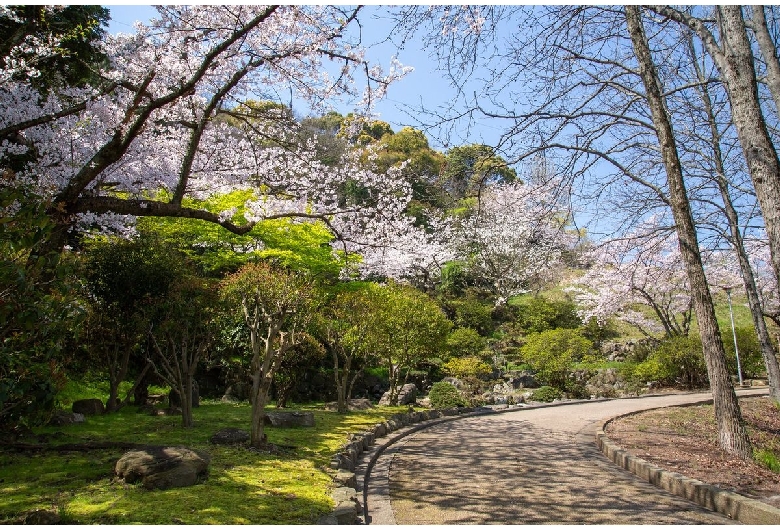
(732, 435)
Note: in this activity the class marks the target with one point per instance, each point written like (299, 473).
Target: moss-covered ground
(243, 486)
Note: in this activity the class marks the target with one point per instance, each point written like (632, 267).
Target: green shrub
(444, 395)
(471, 312)
(537, 314)
(750, 358)
(467, 368)
(554, 353)
(677, 361)
(464, 342)
(546, 394)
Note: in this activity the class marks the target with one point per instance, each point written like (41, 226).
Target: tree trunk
(734, 60)
(739, 76)
(732, 435)
(341, 406)
(748, 279)
(768, 52)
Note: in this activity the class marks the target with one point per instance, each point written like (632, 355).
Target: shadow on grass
(243, 487)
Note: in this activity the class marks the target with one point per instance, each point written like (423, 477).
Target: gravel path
(530, 466)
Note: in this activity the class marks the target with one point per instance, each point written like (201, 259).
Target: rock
(354, 404)
(347, 505)
(61, 418)
(327, 519)
(406, 395)
(42, 517)
(88, 407)
(289, 419)
(454, 381)
(229, 436)
(163, 467)
(345, 479)
(237, 392)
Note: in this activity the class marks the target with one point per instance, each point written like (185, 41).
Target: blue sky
(422, 86)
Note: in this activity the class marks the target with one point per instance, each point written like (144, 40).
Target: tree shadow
(494, 470)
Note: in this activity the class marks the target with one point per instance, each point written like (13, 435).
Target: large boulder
(354, 404)
(289, 419)
(407, 395)
(88, 407)
(62, 417)
(163, 467)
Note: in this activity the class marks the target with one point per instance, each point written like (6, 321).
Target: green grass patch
(243, 487)
(767, 459)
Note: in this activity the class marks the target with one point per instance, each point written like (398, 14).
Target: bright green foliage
(243, 487)
(444, 395)
(677, 361)
(553, 353)
(300, 246)
(546, 394)
(345, 328)
(467, 368)
(537, 314)
(463, 342)
(407, 328)
(276, 307)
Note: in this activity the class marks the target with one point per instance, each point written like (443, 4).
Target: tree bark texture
(732, 435)
(768, 51)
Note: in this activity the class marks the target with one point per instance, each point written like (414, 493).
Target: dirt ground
(684, 440)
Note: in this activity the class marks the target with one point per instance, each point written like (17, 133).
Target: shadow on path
(504, 470)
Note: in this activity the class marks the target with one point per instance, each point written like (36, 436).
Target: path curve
(527, 466)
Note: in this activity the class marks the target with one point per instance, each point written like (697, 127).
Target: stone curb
(351, 458)
(728, 503)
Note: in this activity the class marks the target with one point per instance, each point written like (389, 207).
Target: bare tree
(733, 232)
(563, 82)
(731, 429)
(733, 56)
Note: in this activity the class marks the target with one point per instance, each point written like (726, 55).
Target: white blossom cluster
(153, 134)
(643, 269)
(516, 238)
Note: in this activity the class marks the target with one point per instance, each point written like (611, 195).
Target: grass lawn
(243, 487)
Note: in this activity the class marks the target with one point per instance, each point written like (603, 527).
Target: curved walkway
(527, 466)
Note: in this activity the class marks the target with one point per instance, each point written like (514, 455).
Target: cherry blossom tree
(643, 269)
(515, 238)
(145, 137)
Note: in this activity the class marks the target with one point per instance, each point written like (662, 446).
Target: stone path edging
(728, 503)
